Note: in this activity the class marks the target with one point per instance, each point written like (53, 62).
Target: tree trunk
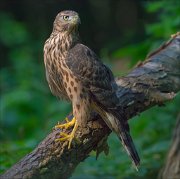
(151, 83)
(171, 170)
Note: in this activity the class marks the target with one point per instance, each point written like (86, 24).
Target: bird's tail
(122, 130)
(128, 144)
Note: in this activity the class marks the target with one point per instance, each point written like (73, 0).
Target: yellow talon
(66, 125)
(66, 119)
(64, 136)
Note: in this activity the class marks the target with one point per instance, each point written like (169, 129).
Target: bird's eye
(66, 18)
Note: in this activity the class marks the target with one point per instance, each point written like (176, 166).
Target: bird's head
(66, 21)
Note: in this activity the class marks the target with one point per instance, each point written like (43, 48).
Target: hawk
(74, 72)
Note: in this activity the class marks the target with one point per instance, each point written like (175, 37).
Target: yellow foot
(67, 137)
(66, 125)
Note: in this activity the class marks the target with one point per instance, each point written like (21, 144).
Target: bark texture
(153, 82)
(171, 170)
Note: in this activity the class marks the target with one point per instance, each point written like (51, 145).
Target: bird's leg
(65, 136)
(66, 125)
(80, 115)
(69, 137)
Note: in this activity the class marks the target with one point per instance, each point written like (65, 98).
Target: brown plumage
(75, 73)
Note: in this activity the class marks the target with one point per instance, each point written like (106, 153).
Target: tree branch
(151, 83)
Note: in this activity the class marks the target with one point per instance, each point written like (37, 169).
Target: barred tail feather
(128, 144)
(121, 130)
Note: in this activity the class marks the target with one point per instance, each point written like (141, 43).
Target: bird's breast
(54, 71)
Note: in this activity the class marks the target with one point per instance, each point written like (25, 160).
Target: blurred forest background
(121, 32)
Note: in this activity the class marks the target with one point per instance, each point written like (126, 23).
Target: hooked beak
(76, 20)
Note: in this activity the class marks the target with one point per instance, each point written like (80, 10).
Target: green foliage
(168, 18)
(28, 110)
(163, 22)
(12, 32)
(12, 151)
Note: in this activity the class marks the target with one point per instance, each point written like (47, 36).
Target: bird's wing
(94, 75)
(98, 78)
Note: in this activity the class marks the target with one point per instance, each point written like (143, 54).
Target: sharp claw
(60, 126)
(66, 137)
(66, 125)
(63, 134)
(69, 137)
(67, 120)
(62, 139)
(69, 146)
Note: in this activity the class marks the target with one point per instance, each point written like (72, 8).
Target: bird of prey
(74, 72)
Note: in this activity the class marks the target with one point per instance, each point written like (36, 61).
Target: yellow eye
(66, 18)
